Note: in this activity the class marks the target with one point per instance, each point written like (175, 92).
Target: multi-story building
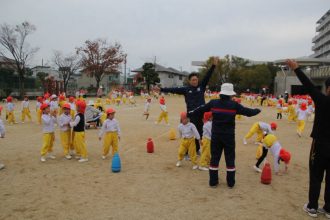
(321, 41)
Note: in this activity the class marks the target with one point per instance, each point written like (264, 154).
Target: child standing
(279, 108)
(2, 134)
(270, 142)
(111, 131)
(26, 109)
(38, 105)
(79, 132)
(147, 107)
(163, 113)
(291, 112)
(48, 121)
(10, 108)
(302, 114)
(206, 142)
(65, 129)
(72, 106)
(188, 133)
(53, 104)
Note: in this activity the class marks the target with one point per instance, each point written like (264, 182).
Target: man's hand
(292, 64)
(215, 60)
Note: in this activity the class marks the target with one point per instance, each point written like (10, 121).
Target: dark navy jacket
(194, 96)
(224, 111)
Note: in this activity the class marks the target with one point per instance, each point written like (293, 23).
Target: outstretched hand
(292, 64)
(215, 60)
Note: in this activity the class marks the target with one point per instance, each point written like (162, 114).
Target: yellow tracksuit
(110, 139)
(79, 144)
(72, 113)
(255, 129)
(291, 113)
(26, 113)
(163, 115)
(66, 141)
(301, 126)
(47, 143)
(103, 117)
(39, 113)
(11, 117)
(206, 153)
(188, 144)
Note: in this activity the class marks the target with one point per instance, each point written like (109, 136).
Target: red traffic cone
(150, 146)
(266, 174)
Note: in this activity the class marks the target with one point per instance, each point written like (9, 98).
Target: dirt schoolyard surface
(149, 186)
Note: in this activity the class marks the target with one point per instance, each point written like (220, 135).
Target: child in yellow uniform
(26, 109)
(188, 133)
(10, 108)
(61, 101)
(163, 113)
(206, 142)
(38, 105)
(147, 108)
(53, 104)
(279, 108)
(259, 128)
(111, 132)
(2, 134)
(48, 122)
(65, 129)
(302, 114)
(291, 112)
(79, 132)
(72, 106)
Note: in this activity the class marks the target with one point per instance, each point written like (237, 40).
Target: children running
(302, 114)
(163, 114)
(10, 109)
(26, 109)
(111, 132)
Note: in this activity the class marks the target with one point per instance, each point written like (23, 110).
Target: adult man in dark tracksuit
(223, 131)
(319, 160)
(194, 96)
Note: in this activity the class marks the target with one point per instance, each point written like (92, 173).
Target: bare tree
(13, 41)
(67, 65)
(99, 58)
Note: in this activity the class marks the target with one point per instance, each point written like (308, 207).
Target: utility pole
(125, 61)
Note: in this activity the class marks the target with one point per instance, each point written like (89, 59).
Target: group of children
(163, 109)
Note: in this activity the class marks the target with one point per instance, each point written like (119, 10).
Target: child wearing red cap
(204, 161)
(61, 101)
(10, 108)
(26, 109)
(270, 142)
(188, 133)
(147, 107)
(302, 114)
(78, 125)
(2, 134)
(48, 122)
(65, 129)
(291, 112)
(163, 114)
(310, 110)
(279, 108)
(259, 128)
(111, 132)
(53, 104)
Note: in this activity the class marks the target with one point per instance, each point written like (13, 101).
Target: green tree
(7, 81)
(150, 75)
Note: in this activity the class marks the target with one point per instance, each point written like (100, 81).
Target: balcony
(321, 43)
(327, 20)
(321, 34)
(320, 73)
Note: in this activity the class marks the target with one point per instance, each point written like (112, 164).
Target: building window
(180, 77)
(170, 76)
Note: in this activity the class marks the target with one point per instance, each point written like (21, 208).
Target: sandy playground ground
(149, 186)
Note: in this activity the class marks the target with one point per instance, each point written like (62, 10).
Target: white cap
(53, 96)
(90, 102)
(227, 89)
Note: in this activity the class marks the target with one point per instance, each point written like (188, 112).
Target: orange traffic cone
(266, 174)
(150, 146)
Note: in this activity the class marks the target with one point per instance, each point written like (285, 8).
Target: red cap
(290, 102)
(1, 108)
(273, 125)
(9, 99)
(310, 102)
(183, 115)
(61, 97)
(67, 105)
(71, 99)
(285, 156)
(39, 99)
(207, 116)
(46, 95)
(303, 106)
(81, 105)
(162, 101)
(110, 111)
(280, 101)
(43, 106)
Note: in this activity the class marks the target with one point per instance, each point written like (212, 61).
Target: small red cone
(266, 175)
(150, 146)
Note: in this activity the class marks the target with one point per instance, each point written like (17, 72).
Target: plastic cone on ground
(266, 174)
(116, 163)
(172, 134)
(150, 145)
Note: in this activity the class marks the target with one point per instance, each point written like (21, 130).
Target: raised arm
(249, 112)
(307, 83)
(177, 90)
(207, 77)
(201, 109)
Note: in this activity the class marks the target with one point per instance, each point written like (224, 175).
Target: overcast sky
(175, 31)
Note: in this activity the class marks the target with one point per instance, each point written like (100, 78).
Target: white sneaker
(257, 169)
(77, 157)
(322, 211)
(51, 156)
(195, 167)
(257, 143)
(298, 133)
(178, 164)
(68, 156)
(203, 168)
(2, 166)
(104, 157)
(244, 141)
(42, 159)
(310, 212)
(82, 160)
(71, 152)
